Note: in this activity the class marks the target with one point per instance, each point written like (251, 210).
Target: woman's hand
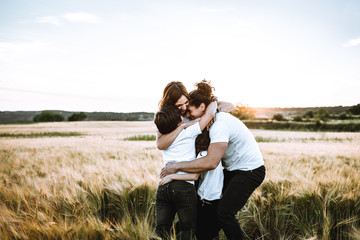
(170, 168)
(189, 123)
(166, 179)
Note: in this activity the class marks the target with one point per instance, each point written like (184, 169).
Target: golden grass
(99, 186)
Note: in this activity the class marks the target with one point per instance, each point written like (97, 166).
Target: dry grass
(99, 186)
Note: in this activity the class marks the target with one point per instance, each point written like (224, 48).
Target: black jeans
(238, 186)
(208, 226)
(176, 197)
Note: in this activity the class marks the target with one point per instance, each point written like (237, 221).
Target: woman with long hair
(175, 93)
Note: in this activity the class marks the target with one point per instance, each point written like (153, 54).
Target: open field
(96, 185)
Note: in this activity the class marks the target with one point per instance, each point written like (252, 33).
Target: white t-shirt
(243, 152)
(183, 147)
(211, 182)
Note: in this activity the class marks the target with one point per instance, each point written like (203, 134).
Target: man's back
(243, 152)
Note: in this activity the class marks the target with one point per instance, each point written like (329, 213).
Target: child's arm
(163, 141)
(178, 176)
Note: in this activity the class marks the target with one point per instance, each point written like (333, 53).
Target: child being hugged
(209, 192)
(174, 195)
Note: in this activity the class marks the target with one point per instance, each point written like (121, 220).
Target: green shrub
(278, 117)
(355, 109)
(47, 116)
(77, 117)
(342, 116)
(243, 112)
(309, 114)
(322, 115)
(298, 118)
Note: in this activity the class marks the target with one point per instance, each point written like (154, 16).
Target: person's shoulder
(192, 129)
(223, 119)
(222, 116)
(220, 121)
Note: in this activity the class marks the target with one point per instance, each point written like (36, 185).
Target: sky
(116, 55)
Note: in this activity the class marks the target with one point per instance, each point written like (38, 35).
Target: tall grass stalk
(98, 186)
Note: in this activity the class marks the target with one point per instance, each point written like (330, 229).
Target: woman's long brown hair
(173, 92)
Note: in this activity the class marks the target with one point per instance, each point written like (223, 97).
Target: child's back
(176, 196)
(183, 148)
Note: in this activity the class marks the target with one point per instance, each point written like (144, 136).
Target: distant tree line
(48, 116)
(51, 116)
(308, 121)
(321, 115)
(303, 126)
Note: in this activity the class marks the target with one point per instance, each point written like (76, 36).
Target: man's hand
(169, 168)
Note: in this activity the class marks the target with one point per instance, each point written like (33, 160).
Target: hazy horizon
(39, 110)
(118, 56)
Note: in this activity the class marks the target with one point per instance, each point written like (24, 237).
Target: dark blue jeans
(176, 197)
(238, 186)
(208, 225)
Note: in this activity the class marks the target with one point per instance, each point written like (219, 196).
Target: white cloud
(82, 17)
(49, 19)
(352, 42)
(216, 10)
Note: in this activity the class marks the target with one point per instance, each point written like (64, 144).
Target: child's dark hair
(202, 94)
(167, 118)
(202, 141)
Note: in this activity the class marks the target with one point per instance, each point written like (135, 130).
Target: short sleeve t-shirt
(243, 152)
(183, 147)
(211, 182)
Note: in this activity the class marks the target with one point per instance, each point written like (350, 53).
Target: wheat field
(98, 185)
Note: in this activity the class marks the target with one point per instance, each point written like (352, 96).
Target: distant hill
(28, 116)
(269, 112)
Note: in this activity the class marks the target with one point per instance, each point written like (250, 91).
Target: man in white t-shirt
(234, 145)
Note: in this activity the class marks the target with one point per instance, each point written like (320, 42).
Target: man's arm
(209, 162)
(225, 106)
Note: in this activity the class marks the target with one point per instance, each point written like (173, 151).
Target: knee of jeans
(223, 214)
(163, 228)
